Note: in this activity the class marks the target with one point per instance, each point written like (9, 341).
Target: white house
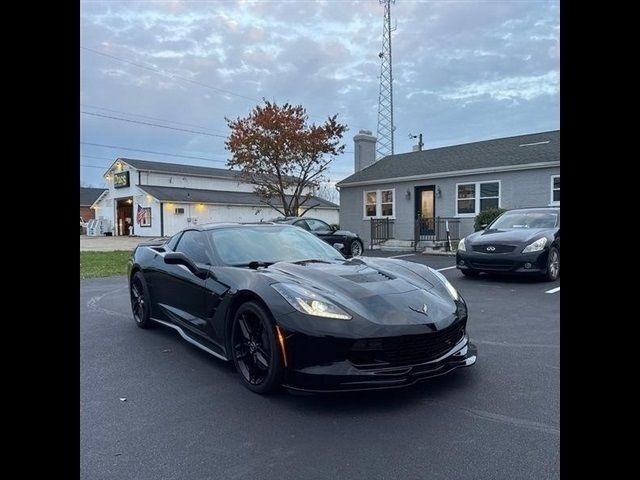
(156, 199)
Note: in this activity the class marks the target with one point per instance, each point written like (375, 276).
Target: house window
(473, 198)
(555, 189)
(379, 203)
(370, 204)
(387, 203)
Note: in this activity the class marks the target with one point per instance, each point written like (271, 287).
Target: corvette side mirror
(338, 246)
(179, 258)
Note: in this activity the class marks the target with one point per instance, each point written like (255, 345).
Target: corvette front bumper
(343, 375)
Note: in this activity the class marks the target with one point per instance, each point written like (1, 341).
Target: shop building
(157, 199)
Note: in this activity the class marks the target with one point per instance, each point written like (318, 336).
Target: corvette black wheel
(139, 294)
(255, 352)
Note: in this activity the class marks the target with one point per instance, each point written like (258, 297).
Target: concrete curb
(435, 252)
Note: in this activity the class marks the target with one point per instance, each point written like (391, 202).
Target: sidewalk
(109, 244)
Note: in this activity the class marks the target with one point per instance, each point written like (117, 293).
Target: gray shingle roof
(179, 168)
(499, 152)
(89, 195)
(194, 195)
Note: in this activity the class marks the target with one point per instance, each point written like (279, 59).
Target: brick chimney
(365, 149)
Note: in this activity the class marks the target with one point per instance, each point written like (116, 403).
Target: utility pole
(385, 98)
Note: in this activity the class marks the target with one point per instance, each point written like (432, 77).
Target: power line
(157, 70)
(98, 158)
(116, 147)
(153, 124)
(151, 118)
(92, 166)
(163, 72)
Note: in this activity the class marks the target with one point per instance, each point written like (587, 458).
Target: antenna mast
(385, 99)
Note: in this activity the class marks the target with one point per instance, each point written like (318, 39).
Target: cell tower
(385, 98)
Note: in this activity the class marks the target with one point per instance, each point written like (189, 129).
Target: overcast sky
(463, 71)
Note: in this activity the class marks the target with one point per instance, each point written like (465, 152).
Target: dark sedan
(288, 309)
(523, 241)
(351, 243)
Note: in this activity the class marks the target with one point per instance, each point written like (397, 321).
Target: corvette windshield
(515, 220)
(240, 246)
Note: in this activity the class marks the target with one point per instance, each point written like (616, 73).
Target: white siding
(184, 181)
(193, 213)
(200, 214)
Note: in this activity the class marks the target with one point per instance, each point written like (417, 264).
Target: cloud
(463, 71)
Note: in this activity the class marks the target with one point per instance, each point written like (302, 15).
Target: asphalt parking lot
(153, 406)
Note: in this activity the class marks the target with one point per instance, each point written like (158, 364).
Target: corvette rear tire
(254, 349)
(140, 301)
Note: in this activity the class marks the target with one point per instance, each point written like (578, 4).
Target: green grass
(103, 264)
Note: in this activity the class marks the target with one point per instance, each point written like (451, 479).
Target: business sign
(121, 179)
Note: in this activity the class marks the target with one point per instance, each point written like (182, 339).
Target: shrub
(487, 217)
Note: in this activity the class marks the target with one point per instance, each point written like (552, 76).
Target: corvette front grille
(406, 349)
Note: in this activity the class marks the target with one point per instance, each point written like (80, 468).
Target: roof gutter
(454, 173)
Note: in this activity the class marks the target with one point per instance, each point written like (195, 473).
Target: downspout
(161, 219)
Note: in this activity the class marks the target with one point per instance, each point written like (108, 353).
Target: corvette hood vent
(367, 277)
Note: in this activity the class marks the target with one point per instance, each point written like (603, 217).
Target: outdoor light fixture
(438, 191)
(408, 193)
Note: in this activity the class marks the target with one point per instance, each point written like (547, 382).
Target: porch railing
(435, 229)
(381, 230)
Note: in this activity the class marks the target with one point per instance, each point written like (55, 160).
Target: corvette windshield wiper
(310, 260)
(254, 264)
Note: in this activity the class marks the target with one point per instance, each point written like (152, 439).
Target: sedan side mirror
(179, 258)
(483, 226)
(333, 228)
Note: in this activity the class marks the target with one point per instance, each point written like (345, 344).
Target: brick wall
(86, 213)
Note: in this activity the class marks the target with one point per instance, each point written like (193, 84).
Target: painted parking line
(404, 255)
(553, 290)
(445, 268)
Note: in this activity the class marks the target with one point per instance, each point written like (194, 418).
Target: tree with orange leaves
(282, 155)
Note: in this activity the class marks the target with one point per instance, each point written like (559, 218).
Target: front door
(426, 209)
(185, 293)
(124, 216)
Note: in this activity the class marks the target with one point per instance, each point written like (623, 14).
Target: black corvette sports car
(520, 241)
(288, 309)
(351, 243)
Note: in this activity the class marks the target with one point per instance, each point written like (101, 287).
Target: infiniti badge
(491, 249)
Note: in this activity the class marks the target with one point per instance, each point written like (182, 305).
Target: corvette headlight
(450, 288)
(535, 246)
(461, 246)
(308, 302)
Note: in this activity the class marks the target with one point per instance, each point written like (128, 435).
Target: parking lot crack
(505, 419)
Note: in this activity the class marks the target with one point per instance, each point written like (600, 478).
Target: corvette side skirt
(191, 340)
